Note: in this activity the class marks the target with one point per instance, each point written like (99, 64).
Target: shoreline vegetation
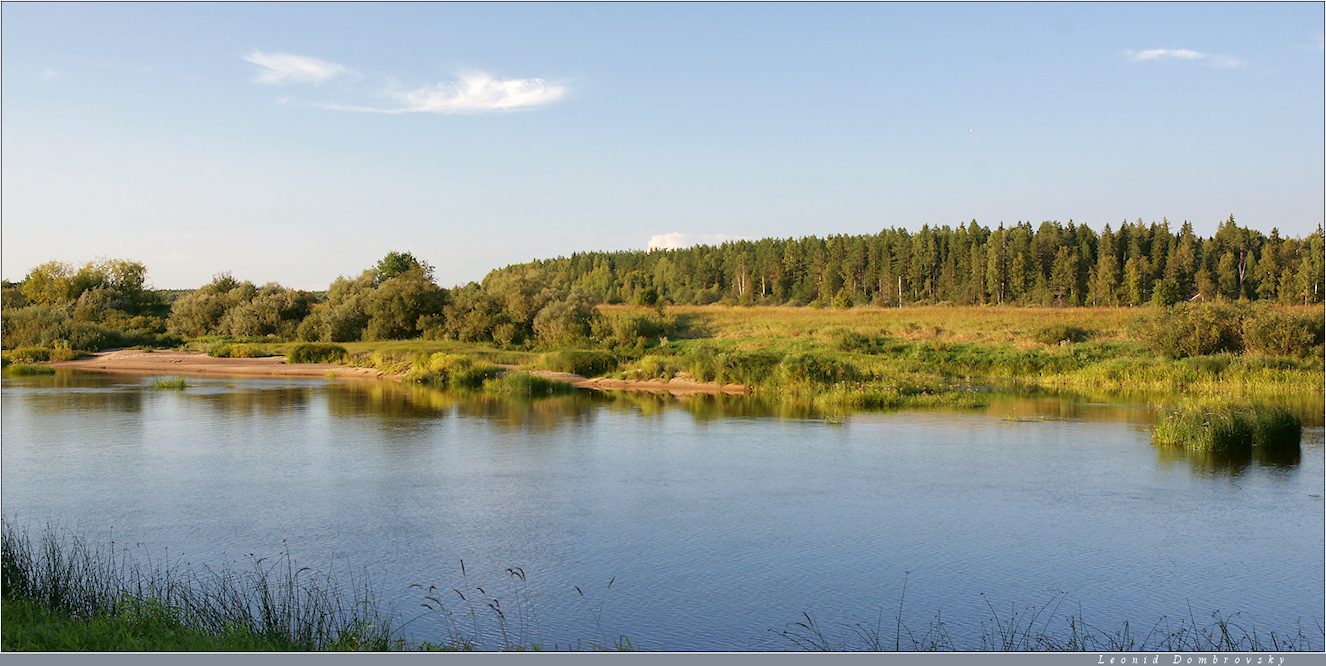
(61, 593)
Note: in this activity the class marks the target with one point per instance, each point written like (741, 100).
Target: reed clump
(27, 370)
(1229, 428)
(170, 383)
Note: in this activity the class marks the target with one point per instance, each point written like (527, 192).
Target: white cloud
(471, 93)
(49, 73)
(287, 68)
(677, 240)
(1183, 54)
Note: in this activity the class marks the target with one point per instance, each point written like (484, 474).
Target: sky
(296, 143)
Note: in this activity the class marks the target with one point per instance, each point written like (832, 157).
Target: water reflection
(252, 400)
(416, 407)
(1211, 463)
(72, 390)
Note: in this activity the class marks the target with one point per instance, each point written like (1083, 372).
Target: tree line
(552, 301)
(1053, 264)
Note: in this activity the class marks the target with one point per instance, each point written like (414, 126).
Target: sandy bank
(134, 361)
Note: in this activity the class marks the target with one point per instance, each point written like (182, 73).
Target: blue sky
(298, 142)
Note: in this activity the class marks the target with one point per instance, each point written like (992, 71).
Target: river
(711, 523)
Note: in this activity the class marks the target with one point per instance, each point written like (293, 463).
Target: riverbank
(197, 364)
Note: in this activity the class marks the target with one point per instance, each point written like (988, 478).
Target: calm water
(717, 522)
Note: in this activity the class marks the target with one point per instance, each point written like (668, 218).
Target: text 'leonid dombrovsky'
(1185, 659)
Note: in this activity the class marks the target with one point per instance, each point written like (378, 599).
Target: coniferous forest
(1052, 264)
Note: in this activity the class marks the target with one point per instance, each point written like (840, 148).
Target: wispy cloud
(676, 240)
(49, 73)
(288, 68)
(471, 93)
(1183, 54)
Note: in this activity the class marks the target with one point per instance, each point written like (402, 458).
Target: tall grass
(170, 383)
(1229, 428)
(275, 604)
(1033, 629)
(27, 370)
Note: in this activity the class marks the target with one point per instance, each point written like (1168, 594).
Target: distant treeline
(1050, 265)
(62, 308)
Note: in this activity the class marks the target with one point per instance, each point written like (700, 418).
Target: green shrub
(451, 370)
(523, 383)
(1054, 333)
(1188, 329)
(586, 363)
(810, 368)
(28, 355)
(657, 367)
(846, 340)
(1277, 332)
(473, 376)
(316, 353)
(235, 350)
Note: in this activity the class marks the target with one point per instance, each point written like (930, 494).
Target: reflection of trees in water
(1229, 464)
(81, 391)
(273, 401)
(711, 406)
(416, 401)
(385, 399)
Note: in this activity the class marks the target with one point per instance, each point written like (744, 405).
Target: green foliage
(451, 370)
(28, 370)
(847, 340)
(1166, 293)
(565, 321)
(316, 353)
(1192, 329)
(55, 282)
(235, 350)
(400, 263)
(1229, 428)
(710, 364)
(239, 309)
(524, 383)
(815, 369)
(170, 383)
(395, 307)
(1274, 331)
(657, 367)
(1053, 334)
(586, 363)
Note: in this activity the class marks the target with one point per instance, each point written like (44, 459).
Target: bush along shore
(62, 594)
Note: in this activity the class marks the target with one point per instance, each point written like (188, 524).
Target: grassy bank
(60, 593)
(887, 358)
